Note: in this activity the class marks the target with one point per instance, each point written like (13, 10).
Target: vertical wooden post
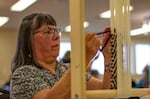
(115, 7)
(77, 49)
(126, 47)
(120, 21)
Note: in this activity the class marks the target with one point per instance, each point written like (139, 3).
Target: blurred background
(97, 17)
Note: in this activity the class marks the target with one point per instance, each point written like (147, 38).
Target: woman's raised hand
(92, 46)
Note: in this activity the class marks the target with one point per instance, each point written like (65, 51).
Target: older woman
(35, 72)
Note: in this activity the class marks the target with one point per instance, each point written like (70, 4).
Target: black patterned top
(28, 80)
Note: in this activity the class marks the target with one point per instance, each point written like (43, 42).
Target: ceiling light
(146, 26)
(22, 4)
(68, 28)
(3, 20)
(137, 32)
(143, 30)
(86, 24)
(107, 14)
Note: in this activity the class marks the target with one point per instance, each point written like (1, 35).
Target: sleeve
(139, 84)
(25, 82)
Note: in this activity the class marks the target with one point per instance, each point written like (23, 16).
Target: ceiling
(59, 9)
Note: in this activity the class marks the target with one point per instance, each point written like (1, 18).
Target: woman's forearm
(107, 73)
(62, 89)
(107, 78)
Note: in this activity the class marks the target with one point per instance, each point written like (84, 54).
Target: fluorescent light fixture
(68, 28)
(137, 32)
(86, 24)
(22, 4)
(107, 14)
(131, 8)
(3, 20)
(144, 30)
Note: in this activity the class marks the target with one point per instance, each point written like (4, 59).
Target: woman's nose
(55, 36)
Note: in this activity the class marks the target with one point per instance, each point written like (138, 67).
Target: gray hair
(24, 52)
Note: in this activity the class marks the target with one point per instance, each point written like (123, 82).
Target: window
(142, 54)
(98, 63)
(64, 46)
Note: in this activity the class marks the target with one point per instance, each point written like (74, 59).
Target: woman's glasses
(48, 30)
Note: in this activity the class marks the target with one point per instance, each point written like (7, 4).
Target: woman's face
(46, 42)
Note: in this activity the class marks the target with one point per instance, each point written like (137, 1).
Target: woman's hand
(92, 46)
(106, 45)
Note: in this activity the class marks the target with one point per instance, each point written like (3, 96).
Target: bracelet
(88, 76)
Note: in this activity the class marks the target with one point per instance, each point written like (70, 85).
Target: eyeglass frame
(50, 30)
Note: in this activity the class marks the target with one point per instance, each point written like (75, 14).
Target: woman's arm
(61, 90)
(107, 59)
(95, 83)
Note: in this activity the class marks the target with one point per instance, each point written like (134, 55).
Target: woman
(144, 81)
(35, 72)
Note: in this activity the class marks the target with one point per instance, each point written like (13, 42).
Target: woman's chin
(55, 55)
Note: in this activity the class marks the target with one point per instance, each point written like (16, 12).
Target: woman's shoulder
(26, 69)
(63, 65)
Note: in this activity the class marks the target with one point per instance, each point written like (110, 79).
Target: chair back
(4, 94)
